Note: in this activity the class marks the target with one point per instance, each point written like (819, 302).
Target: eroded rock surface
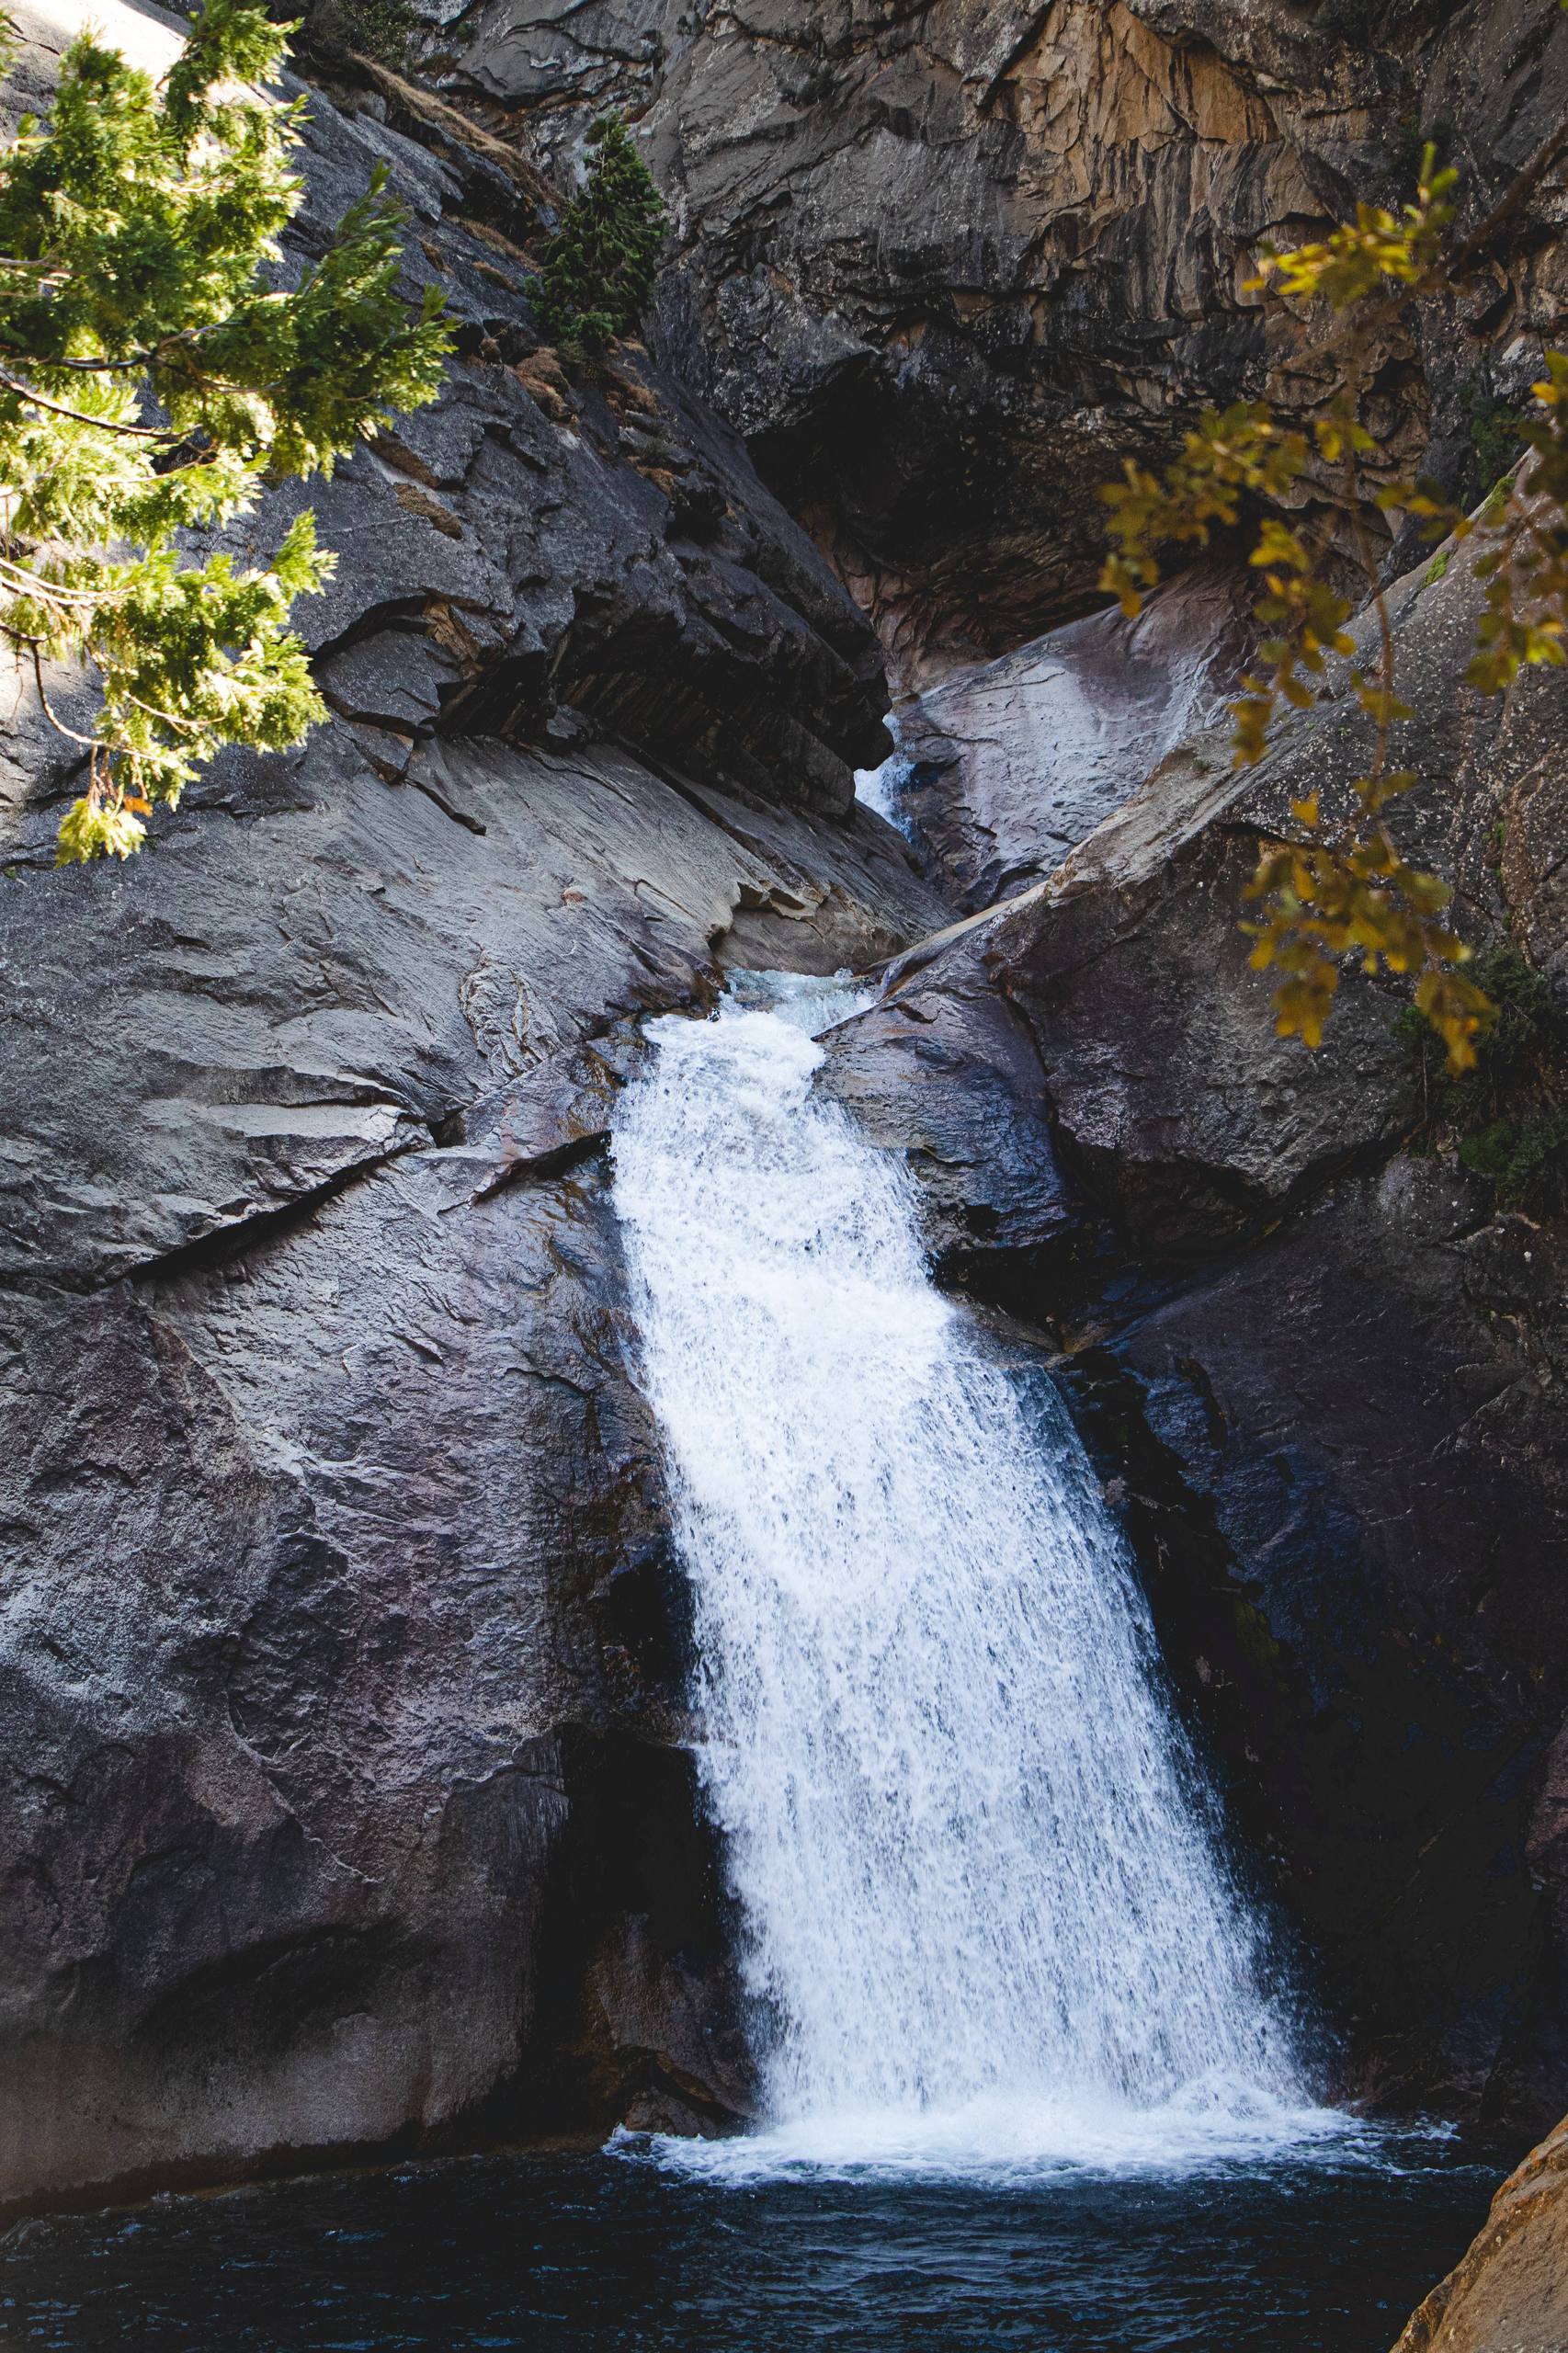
(344, 1797)
(1324, 1371)
(1006, 768)
(949, 1075)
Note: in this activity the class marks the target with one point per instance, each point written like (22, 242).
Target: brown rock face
(1510, 2293)
(946, 266)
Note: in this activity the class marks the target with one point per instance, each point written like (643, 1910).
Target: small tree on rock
(152, 379)
(598, 268)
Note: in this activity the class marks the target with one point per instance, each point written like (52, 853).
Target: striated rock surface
(336, 1544)
(342, 1793)
(1003, 769)
(1510, 2292)
(949, 264)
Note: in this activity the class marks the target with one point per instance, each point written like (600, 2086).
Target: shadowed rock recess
(945, 264)
(344, 1796)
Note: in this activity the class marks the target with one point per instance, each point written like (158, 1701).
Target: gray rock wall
(343, 1797)
(1005, 767)
(947, 265)
(1321, 1364)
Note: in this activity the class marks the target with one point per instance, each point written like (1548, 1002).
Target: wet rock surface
(949, 1077)
(1321, 1370)
(344, 1797)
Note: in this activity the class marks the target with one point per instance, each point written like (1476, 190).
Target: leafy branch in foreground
(1506, 1119)
(1344, 890)
(152, 381)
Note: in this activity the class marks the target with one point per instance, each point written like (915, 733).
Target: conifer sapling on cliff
(154, 375)
(598, 268)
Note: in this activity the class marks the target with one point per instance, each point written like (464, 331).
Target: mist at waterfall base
(986, 1925)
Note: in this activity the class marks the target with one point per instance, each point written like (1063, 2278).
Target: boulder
(1510, 2292)
(949, 1076)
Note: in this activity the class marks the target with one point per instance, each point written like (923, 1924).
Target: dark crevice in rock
(638, 2001)
(219, 1248)
(543, 1166)
(448, 809)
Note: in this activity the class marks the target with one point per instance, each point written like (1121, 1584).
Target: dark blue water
(555, 2253)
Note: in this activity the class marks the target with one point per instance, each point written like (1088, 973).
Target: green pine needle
(152, 379)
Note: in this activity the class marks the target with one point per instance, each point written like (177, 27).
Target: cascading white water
(984, 1914)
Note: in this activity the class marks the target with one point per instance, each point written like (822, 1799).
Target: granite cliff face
(343, 1796)
(345, 1800)
(946, 266)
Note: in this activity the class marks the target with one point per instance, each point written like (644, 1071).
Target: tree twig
(79, 416)
(1514, 197)
(51, 714)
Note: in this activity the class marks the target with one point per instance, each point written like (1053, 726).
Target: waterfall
(984, 1910)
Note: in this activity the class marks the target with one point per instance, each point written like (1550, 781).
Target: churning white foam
(984, 1918)
(879, 789)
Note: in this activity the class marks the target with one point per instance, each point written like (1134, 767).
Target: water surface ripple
(583, 2255)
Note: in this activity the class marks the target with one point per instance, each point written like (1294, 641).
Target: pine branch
(79, 416)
